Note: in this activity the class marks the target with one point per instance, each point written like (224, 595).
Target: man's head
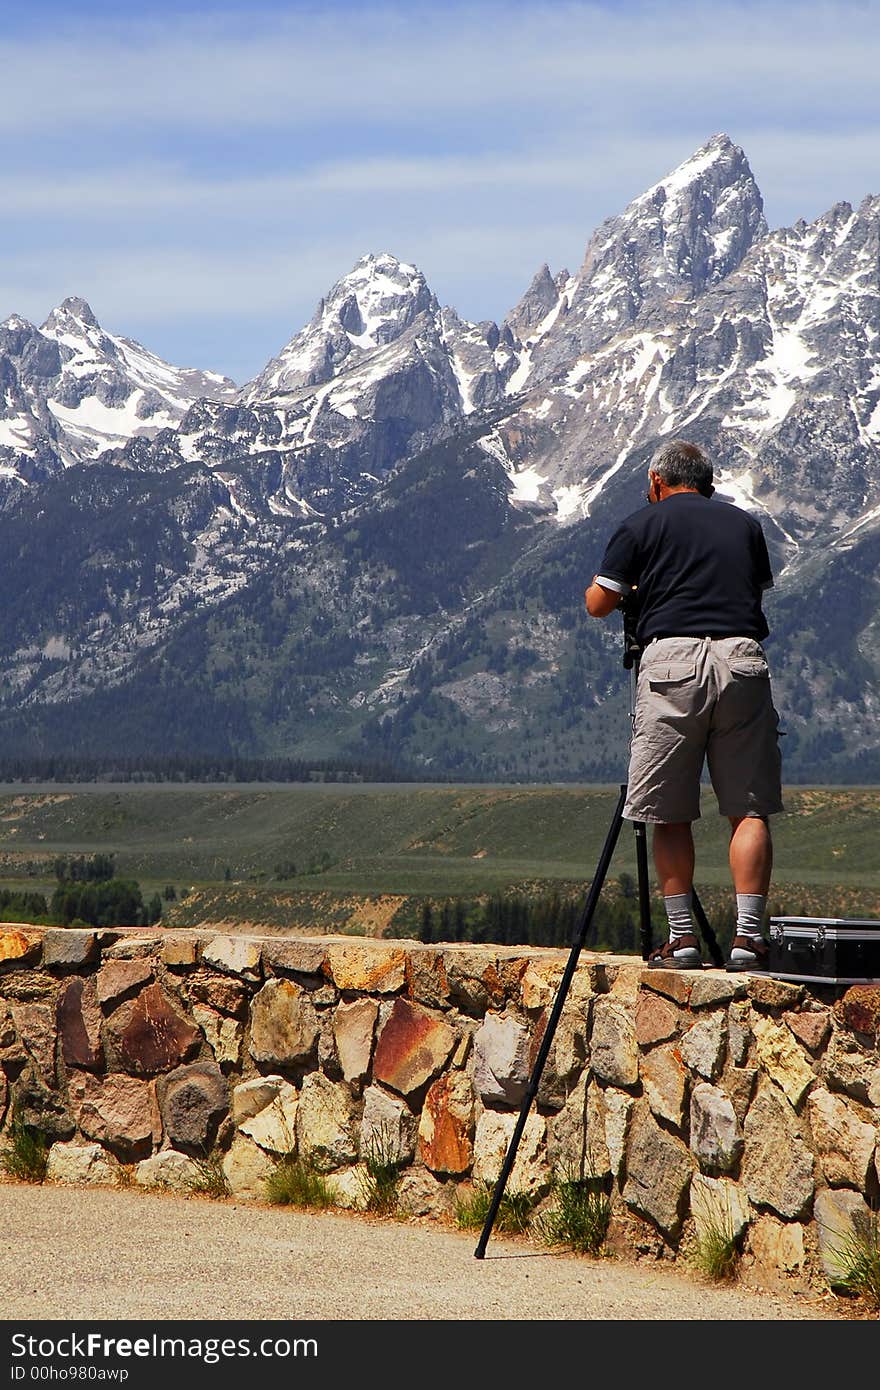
(678, 465)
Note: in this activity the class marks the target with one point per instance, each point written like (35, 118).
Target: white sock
(750, 908)
(678, 911)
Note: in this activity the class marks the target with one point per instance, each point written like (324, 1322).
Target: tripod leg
(580, 935)
(707, 933)
(644, 887)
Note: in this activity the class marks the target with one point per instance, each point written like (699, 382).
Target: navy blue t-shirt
(700, 566)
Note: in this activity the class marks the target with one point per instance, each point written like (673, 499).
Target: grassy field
(363, 857)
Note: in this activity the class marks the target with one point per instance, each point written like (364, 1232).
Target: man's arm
(601, 600)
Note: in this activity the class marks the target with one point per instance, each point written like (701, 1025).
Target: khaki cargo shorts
(703, 699)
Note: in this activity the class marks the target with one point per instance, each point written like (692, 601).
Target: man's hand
(600, 602)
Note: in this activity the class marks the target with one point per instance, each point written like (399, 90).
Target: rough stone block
(151, 1035)
(844, 1143)
(614, 1053)
(446, 1125)
(234, 955)
(326, 1123)
(193, 1100)
(119, 978)
(300, 957)
(354, 1028)
(777, 1166)
(371, 969)
(79, 1025)
(120, 1111)
(716, 1137)
(388, 1128)
(169, 1171)
(501, 1059)
(82, 1165)
(65, 948)
(284, 1026)
(412, 1047)
(658, 1173)
(492, 1140)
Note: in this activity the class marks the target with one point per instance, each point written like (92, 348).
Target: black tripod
(631, 655)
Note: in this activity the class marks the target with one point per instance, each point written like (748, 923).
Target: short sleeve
(620, 561)
(763, 571)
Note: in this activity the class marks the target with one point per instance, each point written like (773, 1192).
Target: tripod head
(628, 608)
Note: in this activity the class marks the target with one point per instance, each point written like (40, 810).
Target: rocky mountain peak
(686, 233)
(72, 308)
(370, 307)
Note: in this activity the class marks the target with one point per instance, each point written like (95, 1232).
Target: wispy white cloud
(180, 168)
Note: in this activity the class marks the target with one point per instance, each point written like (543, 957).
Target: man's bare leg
(674, 858)
(751, 863)
(751, 854)
(674, 863)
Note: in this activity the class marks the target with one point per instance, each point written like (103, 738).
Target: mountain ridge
(379, 544)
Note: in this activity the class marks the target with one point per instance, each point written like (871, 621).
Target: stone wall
(693, 1095)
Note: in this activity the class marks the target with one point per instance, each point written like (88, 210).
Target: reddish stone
(120, 977)
(447, 1125)
(35, 1025)
(225, 995)
(810, 1029)
(155, 1038)
(657, 1020)
(411, 1048)
(79, 1025)
(669, 982)
(120, 1112)
(859, 1009)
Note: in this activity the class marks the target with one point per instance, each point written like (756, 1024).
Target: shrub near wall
(697, 1100)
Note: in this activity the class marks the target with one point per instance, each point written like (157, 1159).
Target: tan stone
(301, 957)
(82, 1165)
(739, 1083)
(539, 984)
(674, 984)
(658, 1172)
(68, 947)
(273, 1127)
(614, 1054)
(246, 1167)
(220, 992)
(354, 1028)
(426, 981)
(234, 955)
(350, 1186)
(251, 1097)
(777, 1245)
(718, 1204)
(492, 1138)
(326, 1123)
(840, 1215)
(169, 1171)
(284, 1026)
(657, 1019)
(388, 1128)
(702, 1046)
(19, 946)
(843, 1142)
(665, 1084)
(412, 1047)
(224, 1035)
(446, 1125)
(373, 969)
(118, 978)
(180, 951)
(767, 993)
(777, 1166)
(710, 989)
(781, 1058)
(501, 1059)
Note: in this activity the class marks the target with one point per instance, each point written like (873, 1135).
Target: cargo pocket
(748, 666)
(673, 681)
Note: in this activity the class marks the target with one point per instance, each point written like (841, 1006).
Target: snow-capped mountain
(72, 390)
(395, 518)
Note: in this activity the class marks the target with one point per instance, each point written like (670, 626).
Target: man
(699, 568)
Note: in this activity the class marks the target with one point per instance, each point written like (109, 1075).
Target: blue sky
(203, 173)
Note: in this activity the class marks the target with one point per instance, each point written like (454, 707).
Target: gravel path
(86, 1253)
